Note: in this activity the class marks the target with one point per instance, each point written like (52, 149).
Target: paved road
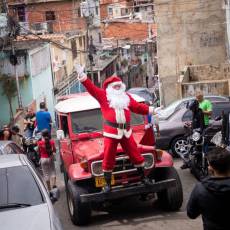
(135, 214)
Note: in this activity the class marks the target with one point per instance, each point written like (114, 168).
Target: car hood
(29, 218)
(93, 148)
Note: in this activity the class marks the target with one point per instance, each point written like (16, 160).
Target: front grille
(123, 164)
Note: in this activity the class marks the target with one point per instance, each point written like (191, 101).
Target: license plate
(100, 181)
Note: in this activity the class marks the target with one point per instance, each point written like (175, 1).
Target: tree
(9, 90)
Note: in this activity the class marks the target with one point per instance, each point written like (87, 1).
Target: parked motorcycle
(196, 158)
(30, 148)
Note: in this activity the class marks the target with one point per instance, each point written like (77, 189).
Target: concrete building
(135, 44)
(191, 33)
(35, 77)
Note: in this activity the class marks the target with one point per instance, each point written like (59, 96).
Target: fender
(166, 160)
(76, 172)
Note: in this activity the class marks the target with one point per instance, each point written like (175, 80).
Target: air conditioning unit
(40, 28)
(24, 27)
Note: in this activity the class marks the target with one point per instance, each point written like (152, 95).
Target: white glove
(80, 71)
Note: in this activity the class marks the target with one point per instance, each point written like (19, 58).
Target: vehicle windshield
(91, 120)
(18, 188)
(169, 110)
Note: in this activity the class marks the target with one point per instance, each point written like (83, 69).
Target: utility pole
(13, 57)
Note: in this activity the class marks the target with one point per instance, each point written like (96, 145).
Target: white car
(24, 200)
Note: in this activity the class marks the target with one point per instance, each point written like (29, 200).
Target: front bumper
(117, 193)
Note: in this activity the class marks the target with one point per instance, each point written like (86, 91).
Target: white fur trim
(115, 83)
(119, 135)
(111, 135)
(82, 77)
(151, 110)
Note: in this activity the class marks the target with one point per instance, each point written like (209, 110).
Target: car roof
(138, 89)
(12, 160)
(205, 96)
(83, 102)
(4, 143)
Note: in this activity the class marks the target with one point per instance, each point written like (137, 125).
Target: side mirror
(54, 195)
(60, 134)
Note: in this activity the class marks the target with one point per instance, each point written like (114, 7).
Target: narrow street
(134, 214)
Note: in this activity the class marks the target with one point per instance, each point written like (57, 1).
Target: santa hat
(111, 81)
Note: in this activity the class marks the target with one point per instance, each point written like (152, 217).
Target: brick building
(52, 16)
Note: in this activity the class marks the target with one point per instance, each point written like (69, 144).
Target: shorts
(48, 168)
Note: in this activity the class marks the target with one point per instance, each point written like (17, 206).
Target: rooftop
(25, 45)
(123, 29)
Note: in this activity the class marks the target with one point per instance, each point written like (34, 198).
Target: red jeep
(81, 151)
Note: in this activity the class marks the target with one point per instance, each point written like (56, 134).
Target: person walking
(47, 151)
(29, 122)
(211, 197)
(43, 118)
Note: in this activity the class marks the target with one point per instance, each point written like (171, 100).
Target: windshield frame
(101, 130)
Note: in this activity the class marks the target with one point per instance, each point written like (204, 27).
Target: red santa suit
(116, 124)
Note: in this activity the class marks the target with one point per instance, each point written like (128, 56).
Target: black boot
(108, 177)
(145, 180)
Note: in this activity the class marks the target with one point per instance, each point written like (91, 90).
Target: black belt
(117, 125)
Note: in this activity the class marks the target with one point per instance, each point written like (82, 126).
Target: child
(47, 150)
(211, 197)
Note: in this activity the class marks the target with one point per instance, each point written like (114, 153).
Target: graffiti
(213, 38)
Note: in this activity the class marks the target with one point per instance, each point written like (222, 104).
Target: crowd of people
(37, 123)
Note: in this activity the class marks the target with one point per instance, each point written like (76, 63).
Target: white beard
(118, 99)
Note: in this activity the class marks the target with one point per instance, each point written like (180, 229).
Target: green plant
(9, 90)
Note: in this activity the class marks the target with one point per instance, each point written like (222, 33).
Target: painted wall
(188, 34)
(25, 86)
(42, 83)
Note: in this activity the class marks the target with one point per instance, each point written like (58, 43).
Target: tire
(170, 199)
(179, 146)
(80, 213)
(196, 168)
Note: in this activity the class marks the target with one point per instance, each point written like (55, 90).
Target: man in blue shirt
(43, 118)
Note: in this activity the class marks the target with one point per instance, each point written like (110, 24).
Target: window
(79, 12)
(64, 125)
(187, 116)
(96, 10)
(80, 41)
(17, 185)
(21, 14)
(99, 35)
(74, 48)
(219, 107)
(110, 11)
(50, 16)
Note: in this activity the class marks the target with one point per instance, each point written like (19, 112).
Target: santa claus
(116, 107)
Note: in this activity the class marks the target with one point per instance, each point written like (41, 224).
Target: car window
(187, 116)
(217, 98)
(8, 149)
(17, 185)
(218, 108)
(16, 148)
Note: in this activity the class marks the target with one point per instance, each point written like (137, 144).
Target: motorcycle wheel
(197, 169)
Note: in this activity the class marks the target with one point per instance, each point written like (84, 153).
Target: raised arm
(90, 87)
(140, 108)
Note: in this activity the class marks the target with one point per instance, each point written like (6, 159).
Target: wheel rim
(181, 147)
(70, 204)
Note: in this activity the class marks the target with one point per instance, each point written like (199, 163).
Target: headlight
(97, 168)
(196, 136)
(149, 160)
